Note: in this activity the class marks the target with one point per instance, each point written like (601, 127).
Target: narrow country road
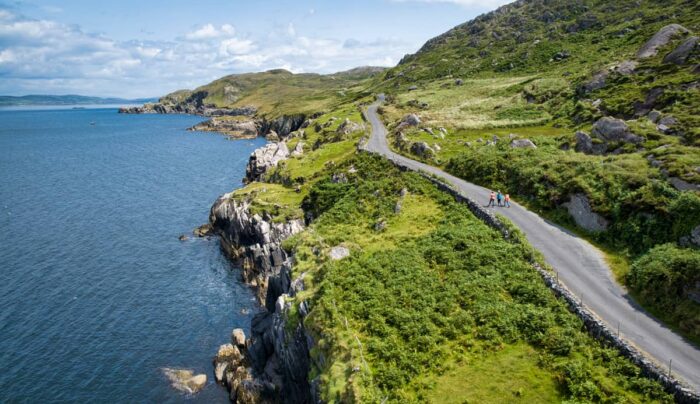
(581, 267)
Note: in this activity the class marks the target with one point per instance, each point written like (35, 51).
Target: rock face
(580, 210)
(680, 55)
(522, 144)
(626, 67)
(233, 128)
(422, 150)
(283, 125)
(347, 127)
(614, 130)
(264, 158)
(185, 380)
(660, 39)
(273, 365)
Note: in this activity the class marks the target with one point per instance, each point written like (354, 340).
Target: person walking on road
(492, 199)
(499, 197)
(507, 200)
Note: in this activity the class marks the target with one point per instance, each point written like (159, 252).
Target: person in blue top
(499, 198)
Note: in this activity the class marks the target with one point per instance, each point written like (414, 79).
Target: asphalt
(580, 267)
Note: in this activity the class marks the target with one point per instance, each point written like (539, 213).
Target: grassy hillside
(278, 92)
(431, 303)
(543, 70)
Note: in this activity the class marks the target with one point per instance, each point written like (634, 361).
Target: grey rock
(339, 252)
(596, 82)
(661, 38)
(458, 82)
(183, 237)
(580, 210)
(626, 67)
(654, 116)
(264, 158)
(614, 130)
(298, 149)
(680, 55)
(421, 149)
(668, 120)
(272, 136)
(347, 127)
(522, 143)
(185, 380)
(238, 338)
(682, 185)
(695, 236)
(412, 88)
(411, 120)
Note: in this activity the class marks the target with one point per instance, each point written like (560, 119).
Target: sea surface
(97, 294)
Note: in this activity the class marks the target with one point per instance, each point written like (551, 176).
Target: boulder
(680, 55)
(238, 338)
(682, 185)
(459, 82)
(661, 38)
(654, 116)
(626, 68)
(614, 130)
(185, 380)
(596, 82)
(421, 149)
(339, 252)
(298, 149)
(412, 88)
(183, 237)
(649, 103)
(522, 144)
(348, 127)
(580, 210)
(411, 120)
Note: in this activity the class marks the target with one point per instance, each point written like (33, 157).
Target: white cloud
(49, 57)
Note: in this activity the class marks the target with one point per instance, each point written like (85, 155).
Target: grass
(518, 378)
(279, 202)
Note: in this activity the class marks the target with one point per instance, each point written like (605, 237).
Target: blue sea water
(97, 293)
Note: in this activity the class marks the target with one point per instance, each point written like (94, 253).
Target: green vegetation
(434, 295)
(530, 70)
(279, 92)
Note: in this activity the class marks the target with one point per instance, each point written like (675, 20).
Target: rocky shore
(272, 364)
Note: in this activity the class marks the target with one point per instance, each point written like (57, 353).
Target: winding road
(580, 267)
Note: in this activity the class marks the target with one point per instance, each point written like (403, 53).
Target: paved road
(581, 267)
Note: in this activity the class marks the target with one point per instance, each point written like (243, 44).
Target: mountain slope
(276, 92)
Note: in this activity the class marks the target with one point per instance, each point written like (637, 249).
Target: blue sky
(147, 48)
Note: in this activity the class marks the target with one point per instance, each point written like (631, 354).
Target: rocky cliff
(273, 364)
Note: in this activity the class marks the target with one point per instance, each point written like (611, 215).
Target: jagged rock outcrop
(610, 129)
(585, 144)
(193, 108)
(347, 127)
(283, 125)
(680, 55)
(264, 158)
(580, 210)
(232, 128)
(272, 366)
(661, 38)
(422, 150)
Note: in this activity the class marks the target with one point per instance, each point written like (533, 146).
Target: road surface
(581, 268)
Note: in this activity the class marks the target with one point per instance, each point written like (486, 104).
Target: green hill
(550, 71)
(277, 92)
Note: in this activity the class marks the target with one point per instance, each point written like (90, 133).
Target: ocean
(97, 294)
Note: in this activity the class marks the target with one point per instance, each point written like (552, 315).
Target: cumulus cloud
(44, 56)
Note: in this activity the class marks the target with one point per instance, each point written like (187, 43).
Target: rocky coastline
(272, 364)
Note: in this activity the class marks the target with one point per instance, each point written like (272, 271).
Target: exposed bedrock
(273, 364)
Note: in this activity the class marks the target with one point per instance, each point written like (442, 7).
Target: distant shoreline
(64, 107)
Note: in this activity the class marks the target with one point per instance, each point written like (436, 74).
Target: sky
(148, 48)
